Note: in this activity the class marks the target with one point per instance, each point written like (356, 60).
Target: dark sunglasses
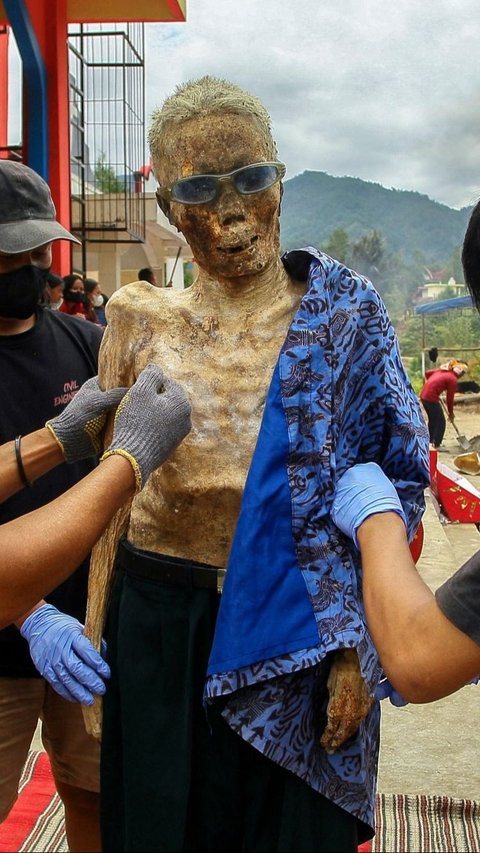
(200, 189)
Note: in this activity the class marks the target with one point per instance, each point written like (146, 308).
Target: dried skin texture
(349, 701)
(102, 569)
(220, 339)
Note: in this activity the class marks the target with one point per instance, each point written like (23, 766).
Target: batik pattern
(346, 399)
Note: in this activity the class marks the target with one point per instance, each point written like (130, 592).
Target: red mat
(405, 824)
(36, 820)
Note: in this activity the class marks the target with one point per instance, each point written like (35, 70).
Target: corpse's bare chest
(226, 370)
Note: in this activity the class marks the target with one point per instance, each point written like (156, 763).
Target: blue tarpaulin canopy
(441, 305)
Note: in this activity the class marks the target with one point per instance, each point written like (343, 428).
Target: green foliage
(316, 205)
(105, 178)
(187, 275)
(390, 236)
(338, 246)
(455, 333)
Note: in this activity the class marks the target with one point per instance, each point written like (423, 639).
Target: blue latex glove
(385, 690)
(64, 656)
(362, 491)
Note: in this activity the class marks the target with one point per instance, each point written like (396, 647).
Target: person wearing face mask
(54, 291)
(95, 309)
(74, 299)
(46, 357)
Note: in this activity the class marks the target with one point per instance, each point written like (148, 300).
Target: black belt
(169, 570)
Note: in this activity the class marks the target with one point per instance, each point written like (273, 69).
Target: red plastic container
(459, 499)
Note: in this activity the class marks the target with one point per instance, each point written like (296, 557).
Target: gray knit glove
(150, 422)
(78, 430)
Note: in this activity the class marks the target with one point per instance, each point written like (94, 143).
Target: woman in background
(74, 296)
(95, 302)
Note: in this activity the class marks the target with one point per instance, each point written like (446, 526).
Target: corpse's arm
(102, 560)
(405, 454)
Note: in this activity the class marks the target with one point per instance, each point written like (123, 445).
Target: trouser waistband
(172, 571)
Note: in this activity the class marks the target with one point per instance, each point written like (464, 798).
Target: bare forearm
(41, 549)
(39, 454)
(424, 655)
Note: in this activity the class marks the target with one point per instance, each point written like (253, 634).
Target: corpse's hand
(349, 701)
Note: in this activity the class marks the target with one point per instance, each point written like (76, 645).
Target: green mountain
(315, 204)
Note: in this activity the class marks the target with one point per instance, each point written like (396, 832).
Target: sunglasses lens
(201, 189)
(254, 179)
(198, 189)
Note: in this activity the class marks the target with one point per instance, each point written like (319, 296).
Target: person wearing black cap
(46, 357)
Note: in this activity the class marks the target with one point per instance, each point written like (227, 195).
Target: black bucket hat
(27, 211)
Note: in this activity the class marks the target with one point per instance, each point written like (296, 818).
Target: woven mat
(426, 824)
(405, 823)
(36, 822)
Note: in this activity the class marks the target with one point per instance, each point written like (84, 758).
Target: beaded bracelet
(18, 457)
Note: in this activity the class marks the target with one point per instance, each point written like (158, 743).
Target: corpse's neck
(252, 293)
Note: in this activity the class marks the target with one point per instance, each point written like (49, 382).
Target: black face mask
(74, 296)
(20, 291)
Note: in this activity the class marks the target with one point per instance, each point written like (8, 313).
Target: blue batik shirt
(339, 395)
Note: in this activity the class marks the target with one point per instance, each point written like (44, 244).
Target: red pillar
(49, 21)
(4, 36)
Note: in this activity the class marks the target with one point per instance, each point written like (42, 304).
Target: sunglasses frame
(166, 192)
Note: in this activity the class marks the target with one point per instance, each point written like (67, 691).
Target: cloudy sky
(384, 90)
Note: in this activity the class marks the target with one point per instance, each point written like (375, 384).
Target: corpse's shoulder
(139, 302)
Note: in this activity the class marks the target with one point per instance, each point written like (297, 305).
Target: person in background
(94, 304)
(442, 380)
(147, 274)
(54, 291)
(74, 299)
(46, 357)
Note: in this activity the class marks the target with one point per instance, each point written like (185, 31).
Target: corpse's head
(210, 129)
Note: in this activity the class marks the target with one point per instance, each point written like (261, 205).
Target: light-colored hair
(206, 96)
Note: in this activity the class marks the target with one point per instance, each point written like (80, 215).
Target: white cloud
(384, 90)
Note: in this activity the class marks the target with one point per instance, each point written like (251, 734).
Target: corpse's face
(233, 235)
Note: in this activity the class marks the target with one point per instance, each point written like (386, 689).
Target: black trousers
(174, 776)
(436, 422)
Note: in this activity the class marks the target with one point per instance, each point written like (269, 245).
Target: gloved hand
(64, 656)
(362, 491)
(150, 422)
(385, 690)
(78, 428)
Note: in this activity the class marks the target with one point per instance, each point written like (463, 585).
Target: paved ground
(435, 748)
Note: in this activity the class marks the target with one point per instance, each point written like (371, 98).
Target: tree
(105, 178)
(337, 245)
(368, 254)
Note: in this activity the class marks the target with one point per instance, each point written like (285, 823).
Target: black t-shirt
(459, 598)
(40, 372)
